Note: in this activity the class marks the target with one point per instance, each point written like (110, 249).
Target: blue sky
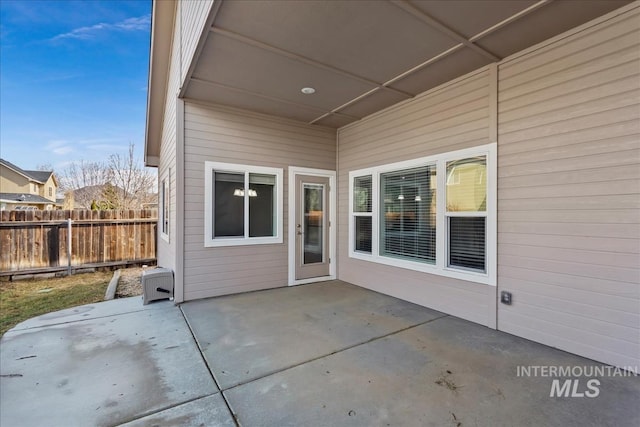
(73, 80)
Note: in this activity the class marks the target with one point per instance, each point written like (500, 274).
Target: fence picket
(38, 239)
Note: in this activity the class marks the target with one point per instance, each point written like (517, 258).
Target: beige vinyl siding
(190, 19)
(13, 182)
(569, 192)
(50, 184)
(452, 117)
(194, 15)
(166, 251)
(222, 134)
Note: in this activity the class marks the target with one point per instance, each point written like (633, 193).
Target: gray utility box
(157, 284)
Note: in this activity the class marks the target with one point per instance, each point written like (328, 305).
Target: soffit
(363, 56)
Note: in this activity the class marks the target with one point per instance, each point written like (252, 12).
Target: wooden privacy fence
(33, 241)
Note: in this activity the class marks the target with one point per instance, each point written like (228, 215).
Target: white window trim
(440, 267)
(166, 181)
(209, 241)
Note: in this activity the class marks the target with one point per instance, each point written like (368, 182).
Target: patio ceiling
(362, 56)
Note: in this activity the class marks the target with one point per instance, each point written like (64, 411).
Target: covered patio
(324, 354)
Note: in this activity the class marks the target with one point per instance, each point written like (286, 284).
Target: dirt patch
(130, 283)
(445, 380)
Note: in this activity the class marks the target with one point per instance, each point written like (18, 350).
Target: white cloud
(59, 147)
(140, 23)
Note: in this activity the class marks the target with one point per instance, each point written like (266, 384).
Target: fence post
(69, 221)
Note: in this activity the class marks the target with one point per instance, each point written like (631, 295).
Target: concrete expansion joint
(166, 408)
(206, 364)
(268, 374)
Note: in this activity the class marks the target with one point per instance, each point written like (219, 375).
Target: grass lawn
(24, 299)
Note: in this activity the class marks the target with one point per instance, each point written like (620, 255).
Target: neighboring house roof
(42, 176)
(84, 196)
(38, 176)
(24, 198)
(93, 189)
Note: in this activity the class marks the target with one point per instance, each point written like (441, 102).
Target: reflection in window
(229, 204)
(262, 195)
(466, 213)
(467, 185)
(362, 203)
(243, 205)
(399, 225)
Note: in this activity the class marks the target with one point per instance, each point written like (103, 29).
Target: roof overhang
(363, 56)
(359, 56)
(159, 61)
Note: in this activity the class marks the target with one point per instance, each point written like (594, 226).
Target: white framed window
(466, 213)
(362, 213)
(434, 214)
(243, 205)
(165, 206)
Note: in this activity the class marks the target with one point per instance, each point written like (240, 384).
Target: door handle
(299, 233)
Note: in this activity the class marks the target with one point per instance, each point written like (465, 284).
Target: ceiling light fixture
(308, 90)
(240, 192)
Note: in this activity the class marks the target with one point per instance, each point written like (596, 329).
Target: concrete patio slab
(110, 369)
(91, 311)
(317, 355)
(447, 372)
(208, 411)
(247, 336)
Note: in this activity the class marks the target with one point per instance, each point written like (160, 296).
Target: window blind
(467, 242)
(363, 221)
(407, 217)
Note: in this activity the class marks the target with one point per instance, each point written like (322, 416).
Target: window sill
(242, 241)
(469, 276)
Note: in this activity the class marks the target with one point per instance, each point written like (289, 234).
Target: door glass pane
(313, 223)
(262, 190)
(228, 215)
